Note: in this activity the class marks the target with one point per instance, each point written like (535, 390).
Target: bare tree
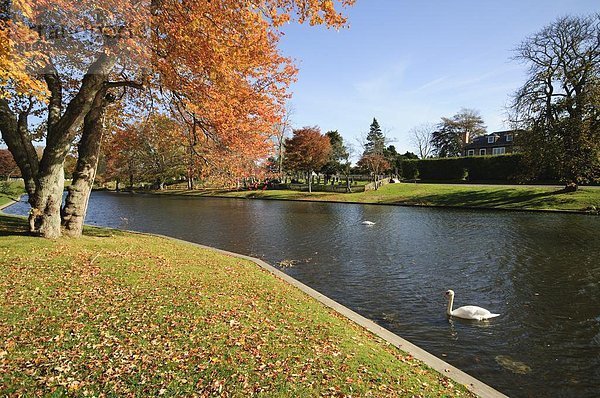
(421, 137)
(559, 104)
(282, 131)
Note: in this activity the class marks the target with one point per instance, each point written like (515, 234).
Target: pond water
(540, 271)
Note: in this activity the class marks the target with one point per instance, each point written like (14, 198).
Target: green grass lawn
(120, 314)
(10, 191)
(454, 195)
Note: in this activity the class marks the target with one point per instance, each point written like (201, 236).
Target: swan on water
(468, 311)
(368, 223)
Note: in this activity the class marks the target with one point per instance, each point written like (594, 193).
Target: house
(497, 143)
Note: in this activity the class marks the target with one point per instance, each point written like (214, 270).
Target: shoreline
(315, 199)
(11, 202)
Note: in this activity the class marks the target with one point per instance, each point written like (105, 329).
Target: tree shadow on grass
(18, 226)
(505, 198)
(13, 225)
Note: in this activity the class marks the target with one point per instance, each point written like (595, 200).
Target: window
(470, 152)
(482, 152)
(499, 151)
(491, 139)
(509, 137)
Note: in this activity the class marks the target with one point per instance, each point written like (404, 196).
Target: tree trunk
(15, 135)
(310, 181)
(76, 204)
(44, 217)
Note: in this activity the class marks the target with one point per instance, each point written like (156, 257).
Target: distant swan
(468, 311)
(368, 223)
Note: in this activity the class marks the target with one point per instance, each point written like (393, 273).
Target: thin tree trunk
(15, 135)
(76, 204)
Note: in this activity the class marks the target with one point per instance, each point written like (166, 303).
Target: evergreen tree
(375, 144)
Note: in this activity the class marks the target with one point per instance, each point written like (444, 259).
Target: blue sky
(411, 62)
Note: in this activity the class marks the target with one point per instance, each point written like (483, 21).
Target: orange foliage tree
(149, 150)
(308, 150)
(8, 166)
(66, 62)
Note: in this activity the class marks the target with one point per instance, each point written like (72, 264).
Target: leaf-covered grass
(453, 195)
(120, 314)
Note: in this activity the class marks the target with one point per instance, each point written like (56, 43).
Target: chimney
(465, 137)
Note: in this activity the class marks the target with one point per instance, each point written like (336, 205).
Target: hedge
(474, 168)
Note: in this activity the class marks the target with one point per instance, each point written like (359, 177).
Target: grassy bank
(453, 195)
(123, 314)
(9, 192)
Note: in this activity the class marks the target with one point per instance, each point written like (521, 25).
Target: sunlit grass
(452, 195)
(10, 191)
(119, 314)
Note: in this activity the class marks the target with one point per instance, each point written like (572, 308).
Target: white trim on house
(470, 152)
(499, 151)
(491, 139)
(482, 151)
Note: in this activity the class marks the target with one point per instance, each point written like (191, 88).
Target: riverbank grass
(10, 192)
(448, 195)
(116, 313)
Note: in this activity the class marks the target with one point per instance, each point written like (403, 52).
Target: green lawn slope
(120, 314)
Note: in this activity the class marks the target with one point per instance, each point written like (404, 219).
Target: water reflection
(540, 272)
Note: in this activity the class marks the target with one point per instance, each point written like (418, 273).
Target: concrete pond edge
(472, 384)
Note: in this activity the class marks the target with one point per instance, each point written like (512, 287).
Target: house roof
(499, 140)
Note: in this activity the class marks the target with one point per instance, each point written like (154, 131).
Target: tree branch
(54, 84)
(125, 83)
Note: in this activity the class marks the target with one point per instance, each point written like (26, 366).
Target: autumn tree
(559, 104)
(375, 163)
(8, 166)
(308, 150)
(453, 133)
(160, 153)
(64, 63)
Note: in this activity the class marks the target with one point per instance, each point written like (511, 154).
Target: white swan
(468, 311)
(368, 223)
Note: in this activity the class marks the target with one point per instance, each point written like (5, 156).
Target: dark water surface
(540, 271)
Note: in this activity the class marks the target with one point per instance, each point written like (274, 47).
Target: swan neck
(450, 304)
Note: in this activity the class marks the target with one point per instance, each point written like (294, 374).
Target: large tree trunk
(44, 217)
(76, 204)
